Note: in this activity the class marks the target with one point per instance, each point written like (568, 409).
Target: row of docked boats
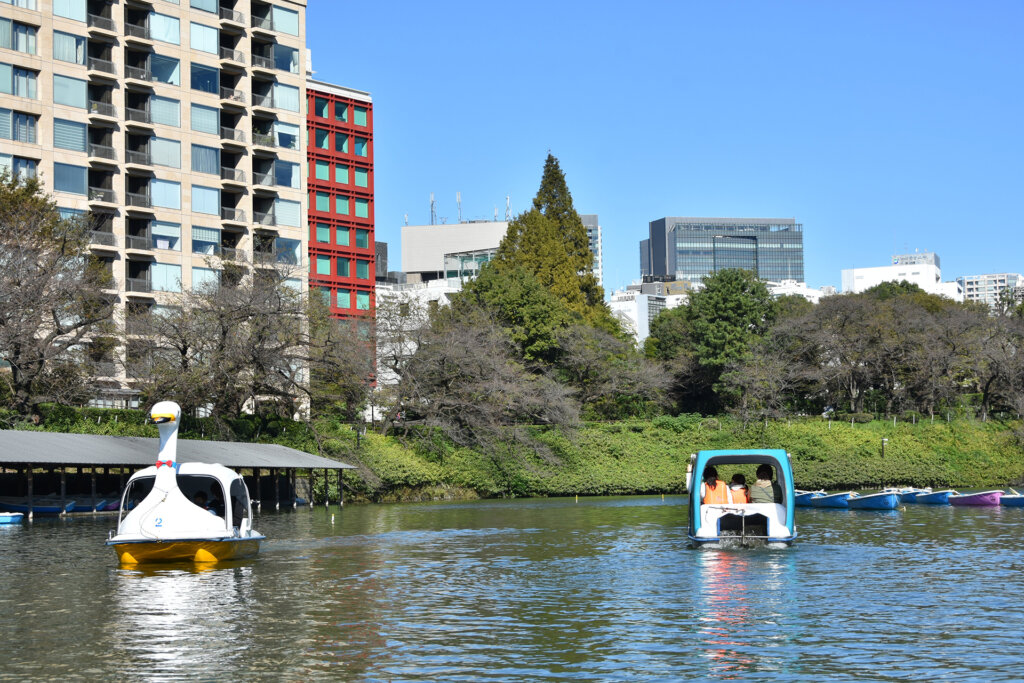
(892, 498)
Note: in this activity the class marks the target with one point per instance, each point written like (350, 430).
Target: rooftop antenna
(433, 210)
(508, 207)
(495, 214)
(458, 202)
(407, 219)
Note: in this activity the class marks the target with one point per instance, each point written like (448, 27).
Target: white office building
(921, 269)
(987, 288)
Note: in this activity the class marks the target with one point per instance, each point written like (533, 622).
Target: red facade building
(340, 183)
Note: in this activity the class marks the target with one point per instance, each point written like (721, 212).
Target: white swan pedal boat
(183, 512)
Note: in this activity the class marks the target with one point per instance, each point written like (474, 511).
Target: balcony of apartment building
(232, 54)
(138, 239)
(138, 114)
(100, 61)
(101, 105)
(101, 357)
(231, 212)
(263, 94)
(138, 320)
(136, 27)
(269, 56)
(268, 19)
(232, 89)
(101, 237)
(270, 250)
(99, 18)
(138, 278)
(137, 195)
(231, 246)
(263, 215)
(101, 189)
(101, 147)
(231, 19)
(231, 132)
(138, 359)
(106, 264)
(138, 71)
(231, 171)
(270, 135)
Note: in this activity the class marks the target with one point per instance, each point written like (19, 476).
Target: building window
(22, 82)
(320, 138)
(205, 278)
(205, 240)
(73, 92)
(288, 213)
(204, 38)
(286, 174)
(322, 170)
(165, 152)
(362, 208)
(166, 277)
(165, 194)
(205, 78)
(70, 9)
(165, 111)
(73, 179)
(15, 35)
(205, 5)
(323, 265)
(285, 20)
(325, 294)
(287, 135)
(341, 174)
(17, 126)
(362, 301)
(205, 119)
(323, 233)
(23, 168)
(359, 116)
(68, 48)
(23, 4)
(341, 205)
(323, 202)
(362, 238)
(165, 69)
(286, 97)
(362, 148)
(286, 58)
(344, 298)
(289, 251)
(69, 135)
(341, 237)
(206, 159)
(343, 267)
(205, 200)
(321, 107)
(164, 28)
(166, 235)
(341, 111)
(362, 269)
(341, 143)
(362, 177)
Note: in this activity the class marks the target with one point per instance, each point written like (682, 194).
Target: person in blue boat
(713, 489)
(738, 491)
(764, 489)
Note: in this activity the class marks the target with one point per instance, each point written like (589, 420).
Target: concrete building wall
(424, 246)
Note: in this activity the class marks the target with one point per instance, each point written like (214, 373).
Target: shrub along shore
(620, 458)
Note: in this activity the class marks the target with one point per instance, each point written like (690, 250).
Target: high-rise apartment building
(987, 288)
(593, 227)
(341, 236)
(177, 123)
(693, 248)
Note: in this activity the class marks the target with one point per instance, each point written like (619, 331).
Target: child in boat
(765, 490)
(713, 489)
(738, 492)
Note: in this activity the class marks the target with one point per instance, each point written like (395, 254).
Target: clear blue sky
(881, 126)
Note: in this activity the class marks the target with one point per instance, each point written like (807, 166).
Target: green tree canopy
(725, 317)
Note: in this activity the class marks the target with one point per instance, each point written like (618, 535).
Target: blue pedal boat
(1012, 501)
(832, 500)
(884, 500)
(802, 499)
(934, 498)
(718, 525)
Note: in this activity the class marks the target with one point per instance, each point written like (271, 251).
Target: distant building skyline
(920, 268)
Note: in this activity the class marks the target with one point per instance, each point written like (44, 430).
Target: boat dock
(59, 468)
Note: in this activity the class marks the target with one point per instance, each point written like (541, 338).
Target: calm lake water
(602, 589)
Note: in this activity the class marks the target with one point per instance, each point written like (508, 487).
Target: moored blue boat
(802, 499)
(1012, 501)
(11, 517)
(884, 500)
(934, 497)
(832, 500)
(40, 506)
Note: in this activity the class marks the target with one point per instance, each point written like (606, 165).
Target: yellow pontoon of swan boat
(175, 512)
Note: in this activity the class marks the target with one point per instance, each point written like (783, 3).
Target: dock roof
(18, 447)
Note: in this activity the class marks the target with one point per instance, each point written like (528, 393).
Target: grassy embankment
(640, 456)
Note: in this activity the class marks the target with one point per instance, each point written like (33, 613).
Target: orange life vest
(741, 495)
(719, 493)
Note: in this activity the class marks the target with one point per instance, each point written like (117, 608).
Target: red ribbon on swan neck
(169, 463)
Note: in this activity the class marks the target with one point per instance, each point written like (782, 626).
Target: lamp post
(884, 441)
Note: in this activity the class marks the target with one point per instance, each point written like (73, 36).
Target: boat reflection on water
(740, 603)
(185, 621)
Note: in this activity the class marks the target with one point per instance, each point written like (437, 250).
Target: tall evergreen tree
(550, 241)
